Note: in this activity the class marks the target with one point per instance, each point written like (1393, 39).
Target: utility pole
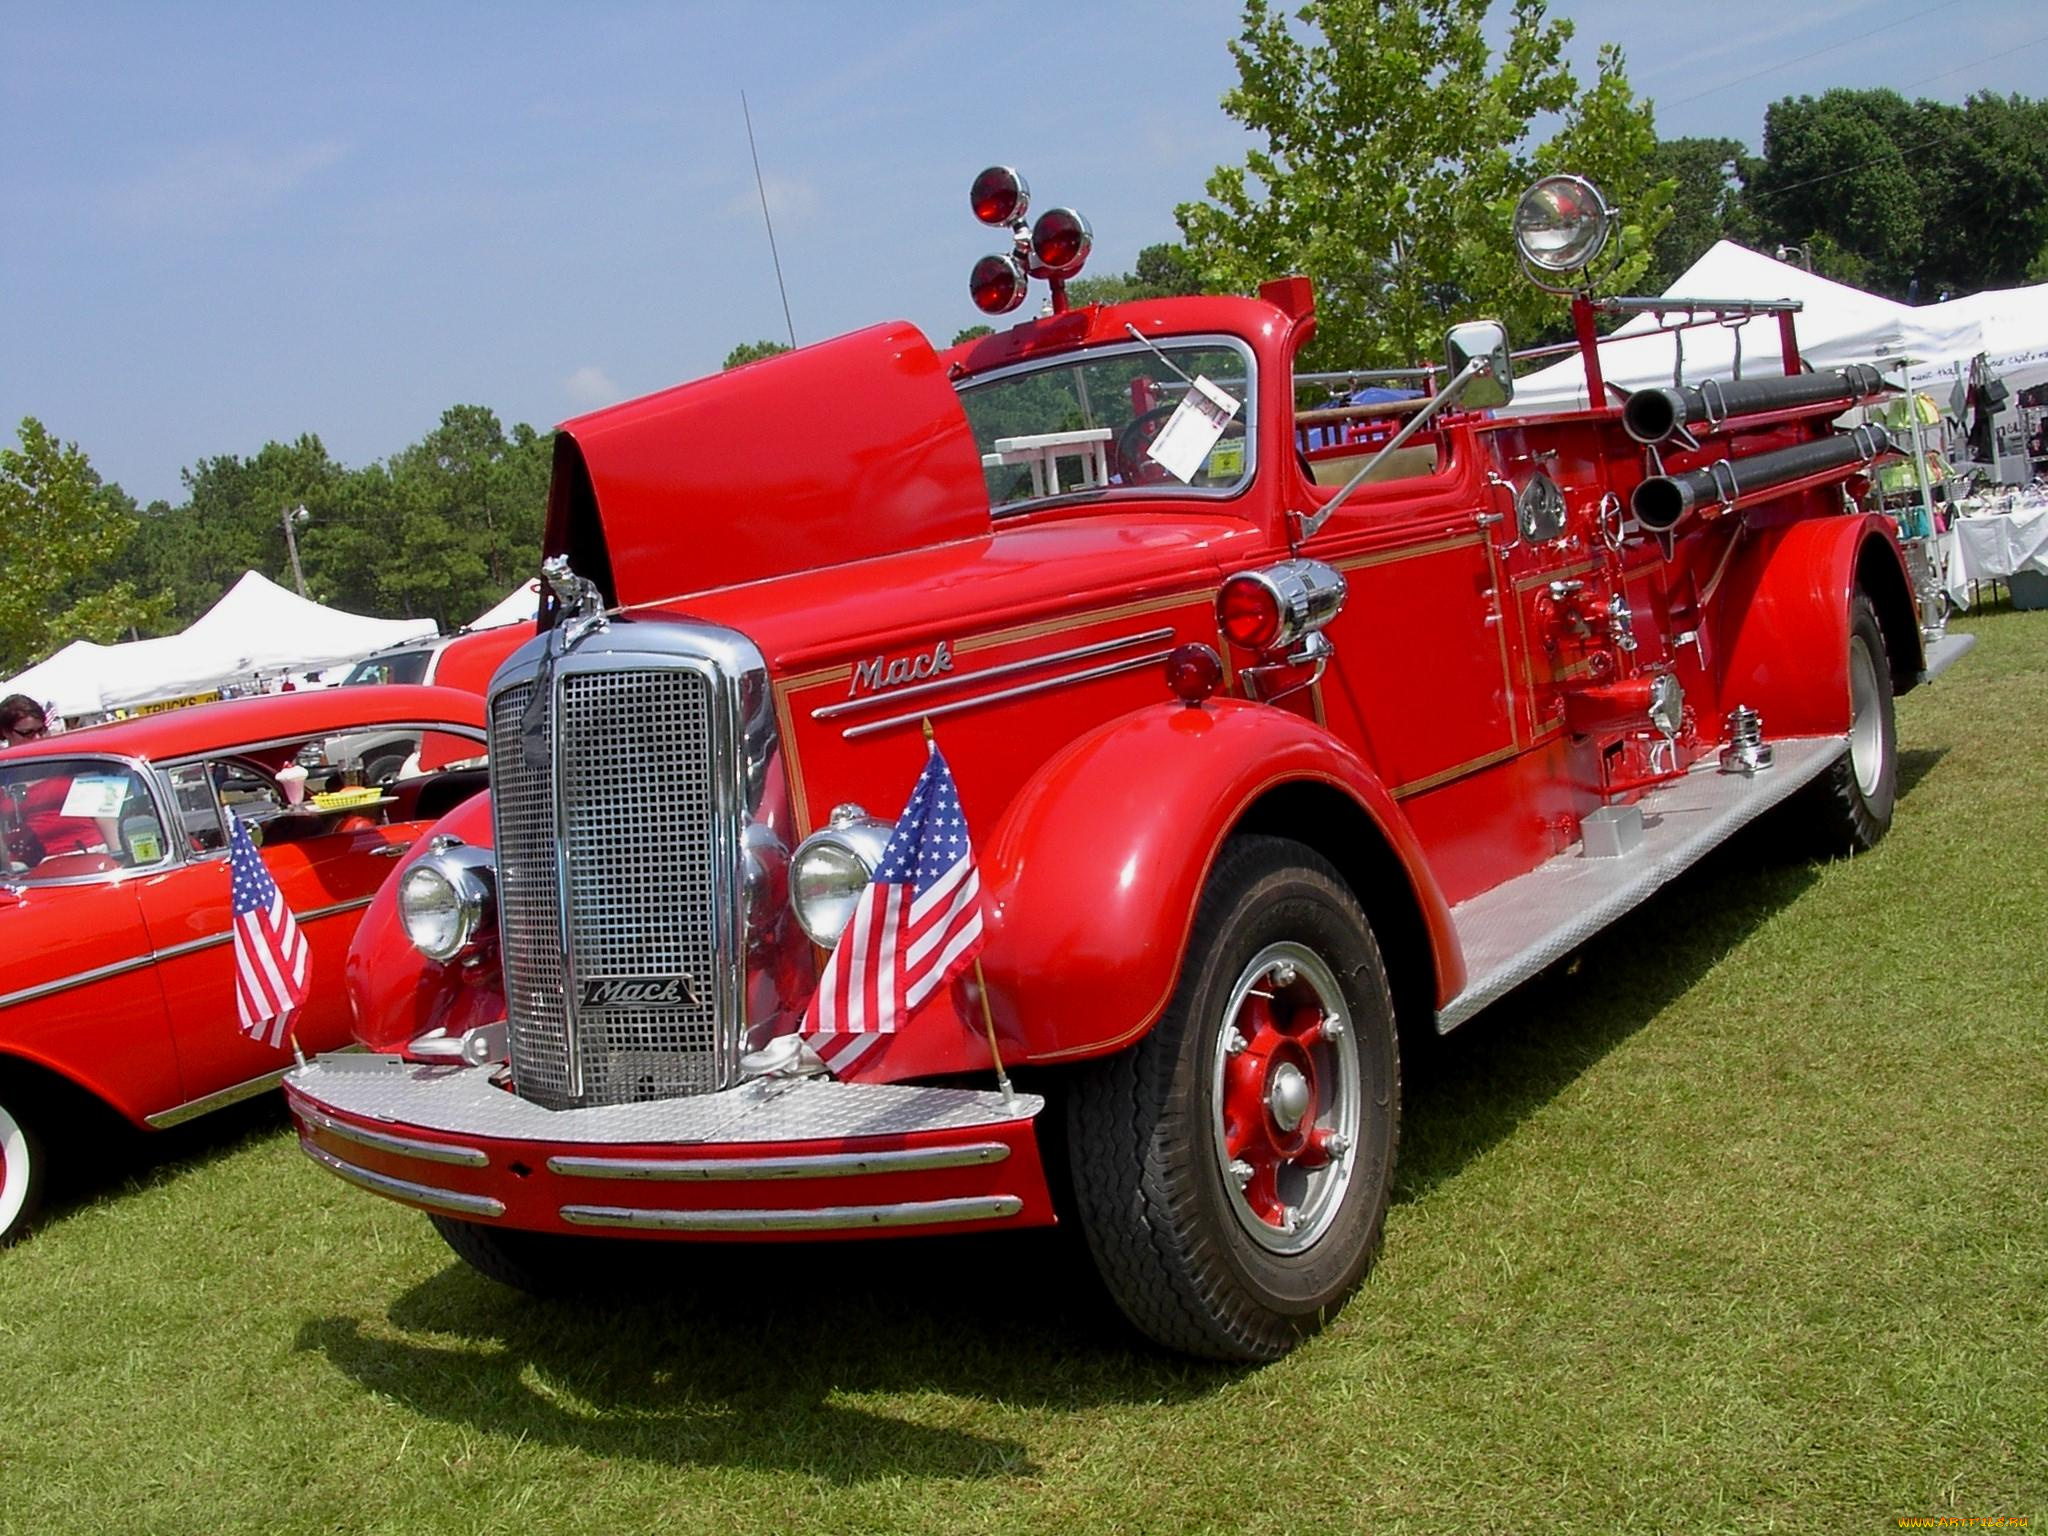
(291, 542)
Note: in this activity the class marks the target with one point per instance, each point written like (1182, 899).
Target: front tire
(541, 1264)
(1232, 1169)
(1850, 807)
(23, 1166)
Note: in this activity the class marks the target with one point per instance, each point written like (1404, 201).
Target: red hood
(842, 451)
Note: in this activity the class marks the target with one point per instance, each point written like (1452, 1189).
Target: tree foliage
(1882, 192)
(1709, 202)
(1395, 146)
(59, 528)
(751, 352)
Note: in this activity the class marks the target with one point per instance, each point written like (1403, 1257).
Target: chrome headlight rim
(466, 878)
(1561, 225)
(822, 897)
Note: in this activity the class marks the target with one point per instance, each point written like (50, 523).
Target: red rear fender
(1094, 870)
(1784, 619)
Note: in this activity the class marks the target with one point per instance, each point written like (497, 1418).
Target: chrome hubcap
(1866, 718)
(1285, 1098)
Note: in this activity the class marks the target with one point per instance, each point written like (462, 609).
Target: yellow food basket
(342, 799)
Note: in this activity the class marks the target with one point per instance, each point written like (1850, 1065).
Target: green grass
(1737, 1222)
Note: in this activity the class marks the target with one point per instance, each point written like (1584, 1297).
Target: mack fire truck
(1284, 729)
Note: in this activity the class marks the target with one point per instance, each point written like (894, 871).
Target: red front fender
(397, 994)
(1094, 870)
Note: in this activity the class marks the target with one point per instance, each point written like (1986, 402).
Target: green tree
(751, 352)
(1160, 272)
(1705, 178)
(1837, 178)
(59, 525)
(1395, 148)
(972, 333)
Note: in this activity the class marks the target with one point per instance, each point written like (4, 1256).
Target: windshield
(1083, 425)
(399, 667)
(65, 817)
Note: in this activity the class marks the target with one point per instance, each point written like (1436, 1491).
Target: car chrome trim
(1002, 695)
(403, 1146)
(839, 1166)
(404, 1189)
(242, 749)
(909, 1213)
(966, 679)
(192, 1109)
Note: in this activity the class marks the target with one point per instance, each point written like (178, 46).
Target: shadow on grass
(100, 1156)
(746, 1356)
(1466, 1093)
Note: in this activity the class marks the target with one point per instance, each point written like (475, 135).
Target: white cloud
(590, 386)
(791, 200)
(210, 185)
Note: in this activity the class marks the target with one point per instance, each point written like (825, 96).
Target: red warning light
(1060, 242)
(997, 284)
(1000, 196)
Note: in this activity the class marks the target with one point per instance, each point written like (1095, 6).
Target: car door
(78, 989)
(327, 866)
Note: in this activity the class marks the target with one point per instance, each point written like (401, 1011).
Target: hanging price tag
(1192, 430)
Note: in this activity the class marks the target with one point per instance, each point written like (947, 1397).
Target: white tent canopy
(519, 606)
(256, 627)
(1836, 324)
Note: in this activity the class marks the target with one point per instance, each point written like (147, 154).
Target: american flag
(271, 955)
(916, 926)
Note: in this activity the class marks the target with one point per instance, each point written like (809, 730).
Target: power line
(1861, 36)
(2004, 53)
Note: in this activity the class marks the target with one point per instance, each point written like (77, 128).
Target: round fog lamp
(1561, 224)
(997, 284)
(431, 912)
(830, 869)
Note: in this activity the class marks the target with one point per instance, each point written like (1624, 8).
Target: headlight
(1561, 224)
(447, 901)
(831, 868)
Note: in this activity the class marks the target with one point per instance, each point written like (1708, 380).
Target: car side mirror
(1485, 340)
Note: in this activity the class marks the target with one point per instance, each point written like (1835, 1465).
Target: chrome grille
(633, 889)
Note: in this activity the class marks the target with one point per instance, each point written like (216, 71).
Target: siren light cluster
(1054, 248)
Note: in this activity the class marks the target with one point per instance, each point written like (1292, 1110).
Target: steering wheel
(1131, 462)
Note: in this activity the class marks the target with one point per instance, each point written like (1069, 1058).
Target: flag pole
(988, 1018)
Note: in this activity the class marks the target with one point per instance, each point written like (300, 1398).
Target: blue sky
(232, 223)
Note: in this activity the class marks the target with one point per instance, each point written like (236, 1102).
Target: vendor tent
(257, 627)
(517, 607)
(1836, 324)
(2008, 325)
(68, 683)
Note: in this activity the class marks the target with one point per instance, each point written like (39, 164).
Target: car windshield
(1085, 424)
(66, 817)
(398, 667)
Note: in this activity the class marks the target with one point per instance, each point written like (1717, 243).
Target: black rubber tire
(541, 1264)
(382, 770)
(24, 1169)
(1148, 1187)
(1842, 816)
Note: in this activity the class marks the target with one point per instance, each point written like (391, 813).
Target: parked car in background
(119, 979)
(465, 660)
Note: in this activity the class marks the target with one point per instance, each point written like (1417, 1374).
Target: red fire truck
(1282, 728)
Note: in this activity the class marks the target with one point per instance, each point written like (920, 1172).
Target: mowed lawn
(1737, 1221)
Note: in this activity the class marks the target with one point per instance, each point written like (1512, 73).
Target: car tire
(23, 1166)
(1232, 1169)
(542, 1264)
(379, 771)
(1849, 808)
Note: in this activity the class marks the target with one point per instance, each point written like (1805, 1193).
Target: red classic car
(119, 976)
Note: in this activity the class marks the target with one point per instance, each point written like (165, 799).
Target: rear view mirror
(1485, 340)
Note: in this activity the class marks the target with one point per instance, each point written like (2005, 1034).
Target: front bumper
(776, 1159)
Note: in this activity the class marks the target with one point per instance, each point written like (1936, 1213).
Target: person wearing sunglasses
(21, 719)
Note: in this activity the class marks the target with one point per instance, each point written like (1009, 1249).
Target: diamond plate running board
(1513, 931)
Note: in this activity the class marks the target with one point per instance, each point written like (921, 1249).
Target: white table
(1993, 547)
(1043, 451)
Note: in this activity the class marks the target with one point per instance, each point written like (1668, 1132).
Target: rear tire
(1232, 1169)
(1849, 808)
(23, 1167)
(541, 1264)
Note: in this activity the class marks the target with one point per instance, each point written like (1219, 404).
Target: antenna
(762, 188)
